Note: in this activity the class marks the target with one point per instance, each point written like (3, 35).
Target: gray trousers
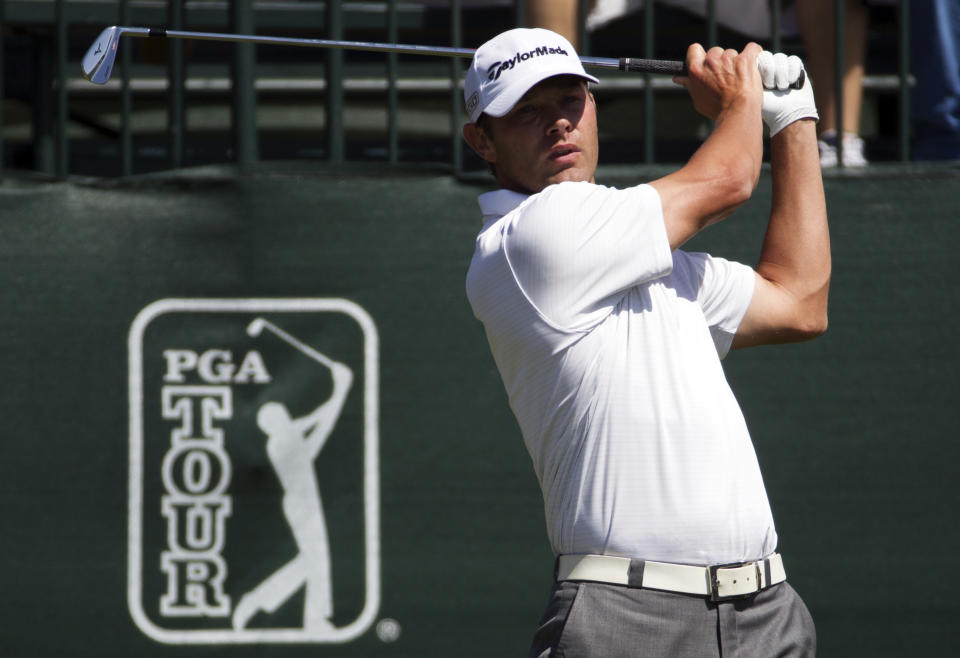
(593, 620)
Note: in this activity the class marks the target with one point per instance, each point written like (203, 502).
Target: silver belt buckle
(739, 580)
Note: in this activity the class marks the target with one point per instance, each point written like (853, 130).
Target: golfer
(293, 445)
(608, 338)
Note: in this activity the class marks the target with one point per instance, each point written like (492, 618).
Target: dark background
(856, 432)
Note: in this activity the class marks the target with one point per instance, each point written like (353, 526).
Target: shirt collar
(498, 203)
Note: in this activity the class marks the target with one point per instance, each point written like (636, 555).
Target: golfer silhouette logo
(293, 445)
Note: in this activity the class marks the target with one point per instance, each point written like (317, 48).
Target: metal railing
(57, 32)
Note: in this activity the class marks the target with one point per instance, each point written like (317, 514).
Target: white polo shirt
(609, 347)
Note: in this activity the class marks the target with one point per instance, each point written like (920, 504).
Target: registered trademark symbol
(388, 630)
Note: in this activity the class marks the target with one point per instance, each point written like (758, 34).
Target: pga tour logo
(254, 475)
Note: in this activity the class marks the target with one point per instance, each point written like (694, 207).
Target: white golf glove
(781, 104)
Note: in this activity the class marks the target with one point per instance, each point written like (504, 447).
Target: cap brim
(503, 103)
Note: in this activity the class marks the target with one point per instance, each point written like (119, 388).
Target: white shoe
(852, 150)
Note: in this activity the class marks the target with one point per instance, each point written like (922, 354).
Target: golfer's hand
(718, 79)
(781, 104)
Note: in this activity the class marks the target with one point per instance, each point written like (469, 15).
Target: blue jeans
(935, 101)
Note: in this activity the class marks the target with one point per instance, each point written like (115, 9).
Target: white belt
(721, 582)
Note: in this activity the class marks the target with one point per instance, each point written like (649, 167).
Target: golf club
(256, 327)
(100, 57)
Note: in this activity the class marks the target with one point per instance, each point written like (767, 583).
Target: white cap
(506, 67)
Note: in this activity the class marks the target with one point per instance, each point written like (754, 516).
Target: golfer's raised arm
(793, 274)
(724, 86)
(317, 425)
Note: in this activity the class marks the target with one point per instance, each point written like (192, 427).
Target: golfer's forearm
(718, 178)
(735, 146)
(796, 249)
(741, 125)
(729, 162)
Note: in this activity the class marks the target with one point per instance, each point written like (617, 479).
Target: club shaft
(297, 344)
(667, 67)
(97, 67)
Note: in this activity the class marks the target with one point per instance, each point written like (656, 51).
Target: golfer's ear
(479, 141)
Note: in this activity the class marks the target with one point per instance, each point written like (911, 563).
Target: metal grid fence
(56, 30)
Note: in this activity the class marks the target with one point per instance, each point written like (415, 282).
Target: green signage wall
(254, 416)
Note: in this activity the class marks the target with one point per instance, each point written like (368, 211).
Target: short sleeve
(575, 248)
(724, 294)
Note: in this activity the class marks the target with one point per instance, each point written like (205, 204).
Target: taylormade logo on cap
(499, 67)
(506, 67)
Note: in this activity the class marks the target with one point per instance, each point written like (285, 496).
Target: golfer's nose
(559, 122)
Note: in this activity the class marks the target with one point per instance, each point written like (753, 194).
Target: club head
(255, 328)
(98, 62)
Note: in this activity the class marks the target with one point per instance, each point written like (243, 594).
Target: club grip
(664, 66)
(671, 67)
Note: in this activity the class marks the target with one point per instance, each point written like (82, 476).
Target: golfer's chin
(571, 174)
(531, 184)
